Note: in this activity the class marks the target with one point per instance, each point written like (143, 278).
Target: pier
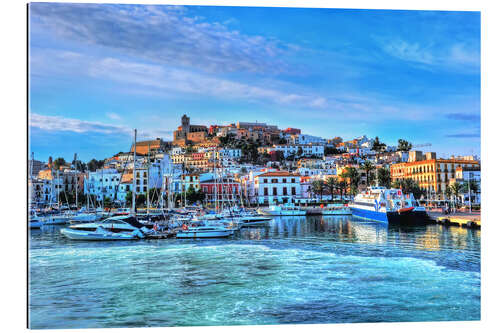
(462, 219)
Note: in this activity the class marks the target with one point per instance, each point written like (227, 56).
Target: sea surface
(298, 270)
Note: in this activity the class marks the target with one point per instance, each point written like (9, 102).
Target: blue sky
(98, 71)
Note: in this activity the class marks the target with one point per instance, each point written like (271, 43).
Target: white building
(103, 183)
(277, 187)
(304, 139)
(464, 176)
(298, 150)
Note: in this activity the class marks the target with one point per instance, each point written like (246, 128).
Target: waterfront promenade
(464, 219)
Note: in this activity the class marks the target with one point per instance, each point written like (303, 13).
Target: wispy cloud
(464, 135)
(464, 117)
(56, 124)
(61, 124)
(113, 116)
(160, 79)
(431, 55)
(163, 34)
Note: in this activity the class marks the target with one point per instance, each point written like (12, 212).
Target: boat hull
(95, 236)
(407, 217)
(35, 224)
(204, 234)
(269, 212)
(337, 212)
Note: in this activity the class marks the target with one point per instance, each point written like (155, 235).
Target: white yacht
(205, 232)
(113, 224)
(101, 234)
(336, 209)
(283, 210)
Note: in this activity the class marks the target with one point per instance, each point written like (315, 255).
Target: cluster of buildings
(216, 161)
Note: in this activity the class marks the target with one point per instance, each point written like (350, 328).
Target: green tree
(473, 185)
(58, 162)
(79, 165)
(342, 186)
(107, 202)
(140, 200)
(408, 185)
(448, 192)
(404, 145)
(455, 189)
(128, 198)
(384, 177)
(378, 146)
(318, 187)
(331, 185)
(368, 167)
(190, 149)
(94, 164)
(352, 174)
(331, 150)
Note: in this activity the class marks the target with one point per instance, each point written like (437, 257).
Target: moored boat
(205, 232)
(283, 210)
(100, 234)
(387, 206)
(336, 209)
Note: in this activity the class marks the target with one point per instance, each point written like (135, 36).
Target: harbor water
(298, 270)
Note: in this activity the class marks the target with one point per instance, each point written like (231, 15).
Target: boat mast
(102, 187)
(76, 183)
(133, 171)
(31, 178)
(147, 180)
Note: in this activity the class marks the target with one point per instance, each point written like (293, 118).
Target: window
(275, 191)
(145, 174)
(274, 180)
(144, 189)
(293, 180)
(265, 180)
(138, 189)
(265, 191)
(284, 180)
(293, 190)
(285, 192)
(138, 174)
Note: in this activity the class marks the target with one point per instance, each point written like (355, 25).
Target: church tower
(185, 124)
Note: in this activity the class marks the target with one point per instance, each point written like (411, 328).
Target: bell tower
(185, 124)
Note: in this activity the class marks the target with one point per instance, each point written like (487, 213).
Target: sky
(98, 71)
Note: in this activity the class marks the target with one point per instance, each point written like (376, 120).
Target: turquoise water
(300, 270)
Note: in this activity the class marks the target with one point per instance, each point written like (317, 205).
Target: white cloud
(459, 57)
(162, 34)
(113, 116)
(61, 124)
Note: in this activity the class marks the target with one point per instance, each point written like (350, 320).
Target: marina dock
(462, 219)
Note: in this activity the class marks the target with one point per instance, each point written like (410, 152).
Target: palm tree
(384, 177)
(354, 178)
(331, 184)
(368, 167)
(471, 186)
(342, 186)
(377, 145)
(455, 189)
(318, 187)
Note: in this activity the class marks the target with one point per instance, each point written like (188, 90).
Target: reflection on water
(298, 270)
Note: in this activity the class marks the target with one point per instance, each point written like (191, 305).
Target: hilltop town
(253, 164)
